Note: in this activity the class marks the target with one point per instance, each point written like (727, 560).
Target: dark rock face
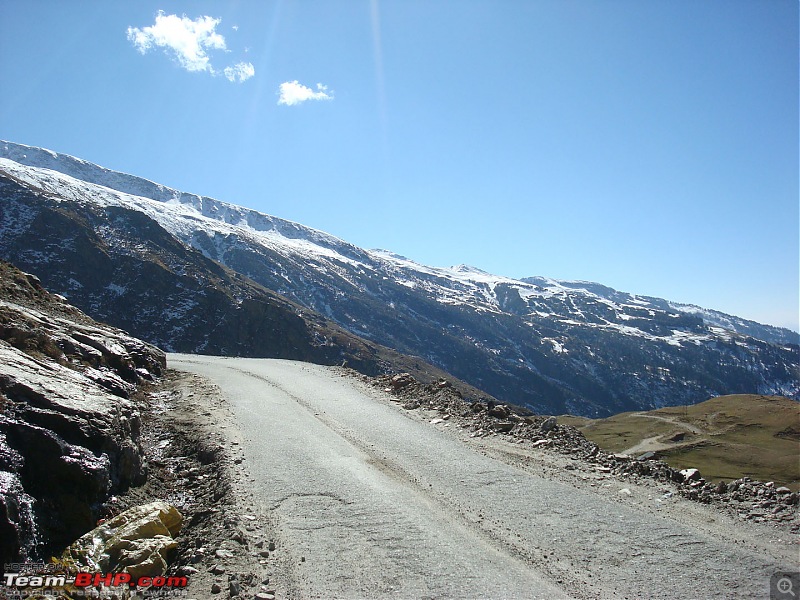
(69, 426)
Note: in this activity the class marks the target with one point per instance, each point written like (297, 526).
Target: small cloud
(235, 27)
(240, 72)
(189, 41)
(293, 92)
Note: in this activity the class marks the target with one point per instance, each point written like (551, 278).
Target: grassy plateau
(727, 437)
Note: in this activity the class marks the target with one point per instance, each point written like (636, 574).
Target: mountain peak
(469, 269)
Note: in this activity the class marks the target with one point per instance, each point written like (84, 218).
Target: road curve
(375, 504)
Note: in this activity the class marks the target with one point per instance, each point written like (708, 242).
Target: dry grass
(726, 437)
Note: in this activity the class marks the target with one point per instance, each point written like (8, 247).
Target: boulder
(691, 474)
(548, 425)
(137, 541)
(499, 411)
(401, 380)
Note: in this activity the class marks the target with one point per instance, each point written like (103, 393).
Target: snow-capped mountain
(555, 346)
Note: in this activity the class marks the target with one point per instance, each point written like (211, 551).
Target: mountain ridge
(548, 344)
(139, 186)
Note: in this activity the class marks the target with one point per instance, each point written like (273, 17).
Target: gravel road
(367, 500)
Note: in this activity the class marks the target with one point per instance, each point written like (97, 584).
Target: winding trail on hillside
(655, 443)
(370, 502)
(671, 420)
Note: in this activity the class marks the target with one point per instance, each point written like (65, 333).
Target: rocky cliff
(69, 418)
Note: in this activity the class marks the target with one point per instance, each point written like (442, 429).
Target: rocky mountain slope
(553, 346)
(69, 417)
(120, 265)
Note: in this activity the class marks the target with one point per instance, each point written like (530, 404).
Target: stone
(402, 380)
(217, 570)
(139, 540)
(500, 411)
(503, 426)
(548, 425)
(239, 536)
(146, 557)
(215, 588)
(234, 587)
(690, 474)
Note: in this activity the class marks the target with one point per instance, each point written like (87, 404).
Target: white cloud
(293, 92)
(189, 41)
(240, 72)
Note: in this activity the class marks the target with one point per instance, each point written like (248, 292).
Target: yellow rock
(136, 541)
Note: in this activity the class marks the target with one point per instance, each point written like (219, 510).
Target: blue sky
(649, 146)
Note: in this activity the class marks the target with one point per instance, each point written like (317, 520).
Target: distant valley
(194, 274)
